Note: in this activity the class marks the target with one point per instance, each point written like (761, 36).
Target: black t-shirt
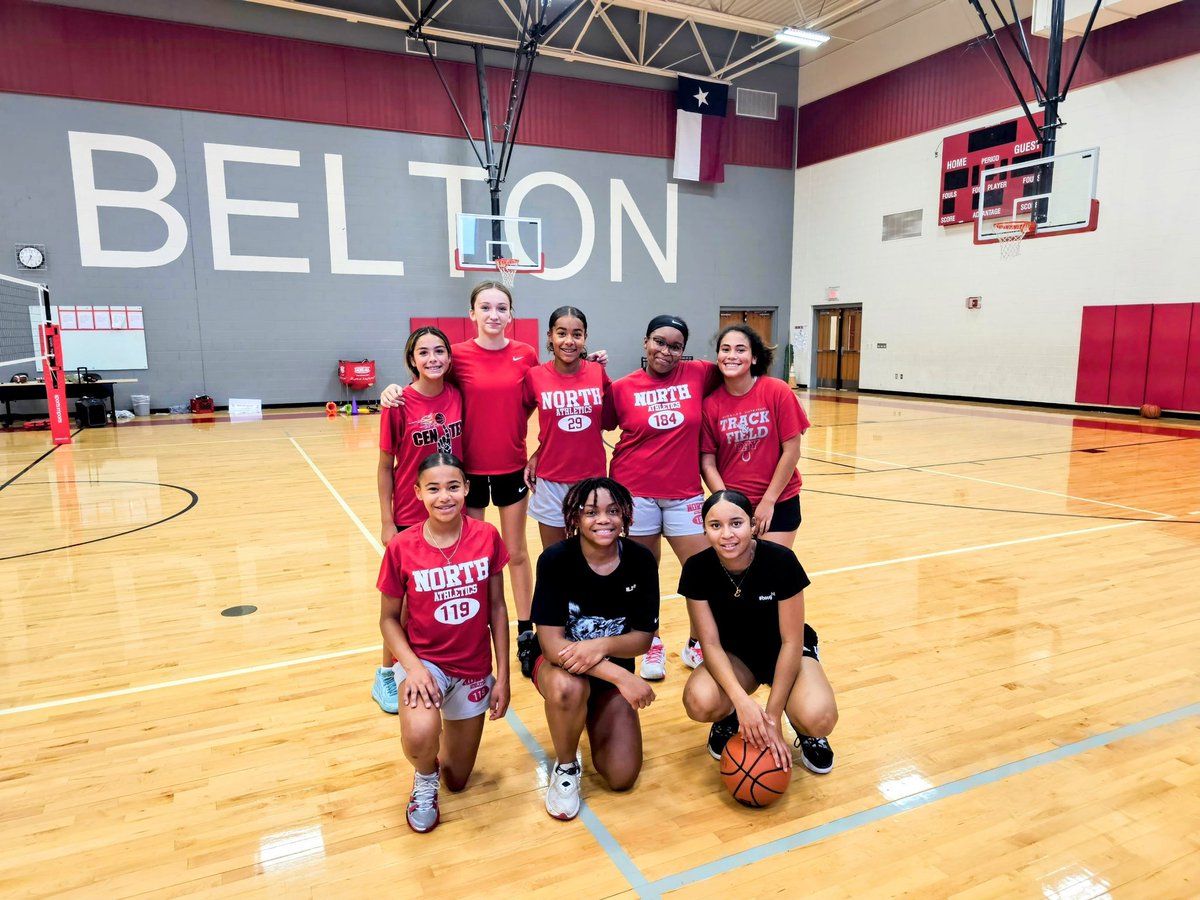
(570, 595)
(748, 625)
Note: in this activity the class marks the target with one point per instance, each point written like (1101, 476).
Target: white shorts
(462, 698)
(545, 504)
(672, 518)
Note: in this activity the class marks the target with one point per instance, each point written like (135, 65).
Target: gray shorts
(462, 698)
(545, 504)
(672, 518)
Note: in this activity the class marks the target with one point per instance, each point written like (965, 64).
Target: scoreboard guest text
(964, 158)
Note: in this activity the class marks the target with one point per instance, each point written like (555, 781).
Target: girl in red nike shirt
(445, 576)
(490, 370)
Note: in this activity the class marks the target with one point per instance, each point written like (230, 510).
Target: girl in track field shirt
(569, 394)
(750, 439)
(657, 457)
(442, 614)
(430, 420)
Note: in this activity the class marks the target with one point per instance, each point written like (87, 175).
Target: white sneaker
(691, 654)
(562, 796)
(654, 662)
(422, 813)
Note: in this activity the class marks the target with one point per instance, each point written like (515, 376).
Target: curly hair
(760, 351)
(577, 498)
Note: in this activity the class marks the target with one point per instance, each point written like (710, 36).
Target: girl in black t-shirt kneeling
(595, 605)
(745, 599)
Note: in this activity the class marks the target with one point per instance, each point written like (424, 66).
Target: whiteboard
(98, 337)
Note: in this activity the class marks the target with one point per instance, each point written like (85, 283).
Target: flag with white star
(699, 128)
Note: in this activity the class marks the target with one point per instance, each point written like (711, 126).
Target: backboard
(484, 239)
(1056, 194)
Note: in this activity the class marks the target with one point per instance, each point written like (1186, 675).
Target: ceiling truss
(662, 38)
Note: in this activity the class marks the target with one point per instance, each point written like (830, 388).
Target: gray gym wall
(277, 336)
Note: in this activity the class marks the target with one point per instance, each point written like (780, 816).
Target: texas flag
(699, 122)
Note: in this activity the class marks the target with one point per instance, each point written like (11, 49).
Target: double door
(839, 347)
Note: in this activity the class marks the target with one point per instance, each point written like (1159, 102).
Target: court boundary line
(1016, 487)
(233, 673)
(180, 682)
(954, 788)
(371, 539)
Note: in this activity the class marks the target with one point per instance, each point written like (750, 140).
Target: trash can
(141, 404)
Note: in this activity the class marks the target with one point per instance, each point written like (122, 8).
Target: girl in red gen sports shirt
(569, 394)
(490, 371)
(445, 577)
(430, 421)
(751, 436)
(658, 455)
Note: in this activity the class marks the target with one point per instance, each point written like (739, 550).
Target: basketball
(1151, 411)
(751, 775)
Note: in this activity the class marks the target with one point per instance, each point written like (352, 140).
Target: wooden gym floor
(1007, 601)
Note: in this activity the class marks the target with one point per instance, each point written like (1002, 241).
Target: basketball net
(1009, 234)
(508, 270)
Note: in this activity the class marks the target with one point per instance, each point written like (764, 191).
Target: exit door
(839, 347)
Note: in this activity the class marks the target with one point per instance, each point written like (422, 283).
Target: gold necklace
(737, 585)
(429, 539)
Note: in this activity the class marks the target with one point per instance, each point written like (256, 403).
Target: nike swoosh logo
(518, 358)
(632, 587)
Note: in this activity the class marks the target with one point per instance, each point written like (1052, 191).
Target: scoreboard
(966, 155)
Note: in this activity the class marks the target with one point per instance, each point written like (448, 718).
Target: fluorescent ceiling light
(801, 36)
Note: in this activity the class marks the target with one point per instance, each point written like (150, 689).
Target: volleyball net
(29, 342)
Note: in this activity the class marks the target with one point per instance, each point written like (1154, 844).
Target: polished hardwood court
(1009, 608)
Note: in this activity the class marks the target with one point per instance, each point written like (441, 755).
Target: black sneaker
(527, 652)
(816, 754)
(720, 733)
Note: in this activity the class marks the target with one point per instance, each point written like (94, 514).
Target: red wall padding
(1191, 378)
(1131, 349)
(1167, 364)
(963, 82)
(463, 329)
(66, 52)
(1146, 353)
(1095, 354)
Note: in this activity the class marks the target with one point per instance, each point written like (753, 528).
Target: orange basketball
(1151, 411)
(752, 775)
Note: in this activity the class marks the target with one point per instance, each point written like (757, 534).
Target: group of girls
(596, 601)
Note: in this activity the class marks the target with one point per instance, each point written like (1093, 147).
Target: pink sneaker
(654, 662)
(692, 655)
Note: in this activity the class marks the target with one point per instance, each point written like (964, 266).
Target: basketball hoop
(1009, 234)
(508, 270)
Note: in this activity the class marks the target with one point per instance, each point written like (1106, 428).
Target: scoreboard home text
(964, 158)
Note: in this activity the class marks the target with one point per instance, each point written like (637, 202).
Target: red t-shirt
(448, 611)
(423, 425)
(569, 418)
(496, 419)
(747, 433)
(658, 454)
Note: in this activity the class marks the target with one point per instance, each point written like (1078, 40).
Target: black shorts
(763, 670)
(502, 490)
(787, 515)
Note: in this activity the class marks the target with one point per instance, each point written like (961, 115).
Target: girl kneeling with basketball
(745, 600)
(446, 577)
(595, 605)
